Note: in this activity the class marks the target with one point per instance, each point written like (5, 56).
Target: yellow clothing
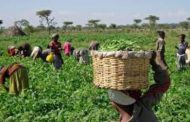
(18, 81)
(18, 78)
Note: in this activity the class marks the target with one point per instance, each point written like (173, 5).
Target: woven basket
(120, 74)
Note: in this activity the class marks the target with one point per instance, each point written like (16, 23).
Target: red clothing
(55, 46)
(7, 72)
(67, 48)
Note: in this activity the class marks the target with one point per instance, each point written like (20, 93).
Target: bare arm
(162, 81)
(160, 45)
(3, 74)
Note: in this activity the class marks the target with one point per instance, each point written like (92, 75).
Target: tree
(188, 19)
(78, 27)
(113, 26)
(102, 26)
(93, 23)
(152, 20)
(137, 21)
(145, 25)
(184, 25)
(1, 22)
(23, 23)
(164, 26)
(29, 29)
(67, 24)
(45, 16)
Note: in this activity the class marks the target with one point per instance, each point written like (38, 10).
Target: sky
(120, 12)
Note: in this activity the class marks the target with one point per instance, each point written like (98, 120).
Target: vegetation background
(69, 94)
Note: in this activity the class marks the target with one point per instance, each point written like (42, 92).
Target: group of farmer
(132, 105)
(183, 50)
(53, 52)
(17, 73)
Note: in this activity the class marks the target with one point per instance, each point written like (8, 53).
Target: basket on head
(121, 70)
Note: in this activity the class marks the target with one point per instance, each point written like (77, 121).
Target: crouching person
(44, 54)
(25, 50)
(134, 107)
(84, 56)
(94, 45)
(54, 59)
(76, 54)
(12, 51)
(81, 55)
(18, 78)
(36, 52)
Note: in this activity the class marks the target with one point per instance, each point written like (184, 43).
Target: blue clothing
(181, 55)
(181, 48)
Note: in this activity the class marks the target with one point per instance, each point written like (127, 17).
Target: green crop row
(69, 94)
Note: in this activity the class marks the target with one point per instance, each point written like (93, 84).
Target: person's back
(94, 45)
(26, 49)
(67, 48)
(18, 78)
(84, 56)
(76, 54)
(36, 52)
(12, 51)
(45, 53)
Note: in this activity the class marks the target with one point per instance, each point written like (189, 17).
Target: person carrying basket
(135, 107)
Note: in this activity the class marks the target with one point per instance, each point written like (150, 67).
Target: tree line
(48, 22)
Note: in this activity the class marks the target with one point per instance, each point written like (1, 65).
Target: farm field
(69, 95)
